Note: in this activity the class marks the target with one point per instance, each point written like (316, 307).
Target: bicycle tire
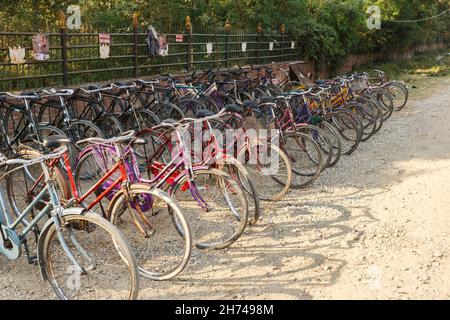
(150, 265)
(80, 226)
(199, 235)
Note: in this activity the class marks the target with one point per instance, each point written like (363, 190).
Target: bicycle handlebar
(184, 123)
(120, 85)
(54, 92)
(300, 93)
(148, 81)
(33, 95)
(194, 120)
(87, 90)
(56, 154)
(125, 136)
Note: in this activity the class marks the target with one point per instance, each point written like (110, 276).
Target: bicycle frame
(118, 167)
(53, 206)
(26, 118)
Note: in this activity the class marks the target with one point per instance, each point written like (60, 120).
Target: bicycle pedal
(33, 260)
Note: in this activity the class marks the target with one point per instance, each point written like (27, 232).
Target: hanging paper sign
(104, 40)
(270, 46)
(292, 44)
(41, 47)
(179, 38)
(17, 55)
(244, 46)
(163, 45)
(209, 47)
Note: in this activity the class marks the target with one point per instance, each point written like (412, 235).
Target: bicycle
(19, 124)
(117, 184)
(214, 203)
(87, 103)
(69, 240)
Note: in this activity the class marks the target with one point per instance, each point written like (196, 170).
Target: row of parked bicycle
(110, 182)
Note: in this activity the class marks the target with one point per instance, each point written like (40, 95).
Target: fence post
(63, 27)
(188, 27)
(283, 31)
(135, 47)
(227, 42)
(259, 30)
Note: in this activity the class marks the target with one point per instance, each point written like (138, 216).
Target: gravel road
(376, 226)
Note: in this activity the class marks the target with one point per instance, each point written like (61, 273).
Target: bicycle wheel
(166, 111)
(21, 194)
(269, 168)
(399, 94)
(156, 149)
(214, 205)
(385, 101)
(223, 99)
(240, 174)
(348, 129)
(191, 106)
(321, 140)
(301, 149)
(90, 169)
(78, 130)
(374, 109)
(257, 93)
(210, 104)
(141, 119)
(51, 113)
(333, 137)
(369, 115)
(274, 90)
(110, 126)
(109, 268)
(145, 216)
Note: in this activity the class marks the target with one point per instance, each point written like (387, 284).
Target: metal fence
(74, 56)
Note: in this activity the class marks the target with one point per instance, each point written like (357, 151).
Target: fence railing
(75, 58)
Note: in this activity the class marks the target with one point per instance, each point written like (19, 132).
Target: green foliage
(327, 30)
(434, 64)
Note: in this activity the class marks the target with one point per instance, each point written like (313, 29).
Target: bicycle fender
(117, 196)
(182, 175)
(82, 153)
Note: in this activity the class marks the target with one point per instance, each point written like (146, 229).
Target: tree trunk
(35, 5)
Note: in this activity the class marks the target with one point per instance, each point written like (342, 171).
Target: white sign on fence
(104, 40)
(17, 55)
(209, 47)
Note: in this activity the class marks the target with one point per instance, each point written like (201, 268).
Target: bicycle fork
(135, 219)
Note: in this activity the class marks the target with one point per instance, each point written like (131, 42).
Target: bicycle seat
(135, 141)
(248, 104)
(56, 141)
(233, 108)
(27, 93)
(267, 100)
(147, 82)
(203, 113)
(124, 85)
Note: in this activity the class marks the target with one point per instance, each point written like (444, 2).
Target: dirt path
(375, 226)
